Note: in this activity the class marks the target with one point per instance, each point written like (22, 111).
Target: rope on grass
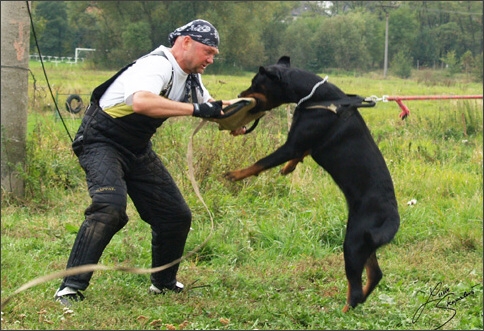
(97, 267)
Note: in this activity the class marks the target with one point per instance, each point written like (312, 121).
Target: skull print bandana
(199, 30)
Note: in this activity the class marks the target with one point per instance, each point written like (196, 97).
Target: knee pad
(109, 214)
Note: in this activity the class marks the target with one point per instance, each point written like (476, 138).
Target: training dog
(328, 126)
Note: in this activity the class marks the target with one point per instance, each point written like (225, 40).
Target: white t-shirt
(150, 73)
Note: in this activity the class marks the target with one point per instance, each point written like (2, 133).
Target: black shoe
(177, 289)
(67, 296)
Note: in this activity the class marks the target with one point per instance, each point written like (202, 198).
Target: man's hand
(208, 109)
(239, 131)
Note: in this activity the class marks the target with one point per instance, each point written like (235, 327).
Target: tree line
(317, 35)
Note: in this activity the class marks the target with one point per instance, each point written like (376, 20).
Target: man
(114, 149)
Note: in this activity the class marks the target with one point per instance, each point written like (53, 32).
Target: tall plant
(401, 64)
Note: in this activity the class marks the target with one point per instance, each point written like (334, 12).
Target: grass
(274, 259)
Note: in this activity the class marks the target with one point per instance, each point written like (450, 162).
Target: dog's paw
(287, 170)
(240, 174)
(232, 176)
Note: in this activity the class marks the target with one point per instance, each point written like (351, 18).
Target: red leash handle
(405, 111)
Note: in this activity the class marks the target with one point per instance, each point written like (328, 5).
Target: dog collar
(318, 84)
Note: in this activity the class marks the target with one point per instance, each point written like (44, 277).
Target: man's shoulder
(153, 62)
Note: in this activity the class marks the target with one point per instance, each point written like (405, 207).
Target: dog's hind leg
(356, 255)
(373, 275)
(354, 270)
(355, 290)
(291, 165)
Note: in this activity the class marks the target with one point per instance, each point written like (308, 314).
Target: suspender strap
(99, 91)
(194, 93)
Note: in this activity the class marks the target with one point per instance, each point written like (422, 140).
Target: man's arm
(153, 105)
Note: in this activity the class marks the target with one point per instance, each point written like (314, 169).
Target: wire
(45, 73)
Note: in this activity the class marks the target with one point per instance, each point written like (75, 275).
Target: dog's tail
(378, 237)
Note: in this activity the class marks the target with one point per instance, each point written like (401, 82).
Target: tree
(242, 27)
(300, 42)
(447, 38)
(425, 49)
(346, 36)
(274, 31)
(137, 40)
(256, 32)
(273, 37)
(55, 36)
(83, 24)
(452, 63)
(403, 30)
(449, 25)
(478, 70)
(15, 60)
(467, 61)
(402, 63)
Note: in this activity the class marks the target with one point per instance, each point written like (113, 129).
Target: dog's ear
(285, 61)
(270, 72)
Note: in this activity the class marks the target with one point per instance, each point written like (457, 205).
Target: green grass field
(274, 256)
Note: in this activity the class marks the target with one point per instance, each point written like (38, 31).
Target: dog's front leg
(236, 175)
(281, 155)
(291, 165)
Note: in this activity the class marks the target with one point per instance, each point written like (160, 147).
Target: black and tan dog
(328, 126)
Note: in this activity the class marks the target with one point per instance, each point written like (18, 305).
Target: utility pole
(385, 61)
(385, 6)
(14, 84)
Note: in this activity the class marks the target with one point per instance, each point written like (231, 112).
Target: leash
(97, 267)
(406, 112)
(191, 174)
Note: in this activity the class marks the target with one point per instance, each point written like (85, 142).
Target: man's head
(199, 30)
(194, 45)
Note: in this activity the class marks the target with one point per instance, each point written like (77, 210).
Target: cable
(45, 73)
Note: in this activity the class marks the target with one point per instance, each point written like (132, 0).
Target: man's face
(200, 56)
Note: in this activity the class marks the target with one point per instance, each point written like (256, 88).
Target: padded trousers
(113, 174)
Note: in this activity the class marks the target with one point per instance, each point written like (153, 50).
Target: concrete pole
(385, 62)
(15, 36)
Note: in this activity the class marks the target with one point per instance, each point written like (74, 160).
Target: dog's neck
(299, 90)
(313, 90)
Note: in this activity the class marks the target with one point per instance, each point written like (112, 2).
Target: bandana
(199, 30)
